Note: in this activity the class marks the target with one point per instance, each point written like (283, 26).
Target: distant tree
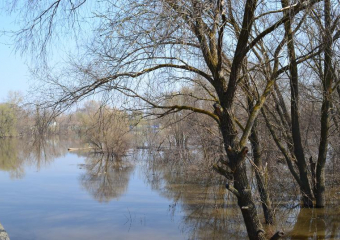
(7, 120)
(105, 129)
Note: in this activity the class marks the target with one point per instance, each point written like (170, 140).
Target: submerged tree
(147, 49)
(292, 126)
(105, 129)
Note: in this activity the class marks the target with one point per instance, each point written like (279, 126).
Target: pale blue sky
(14, 68)
(14, 73)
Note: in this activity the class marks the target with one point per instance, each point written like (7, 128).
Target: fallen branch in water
(79, 149)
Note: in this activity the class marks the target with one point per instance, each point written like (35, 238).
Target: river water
(48, 193)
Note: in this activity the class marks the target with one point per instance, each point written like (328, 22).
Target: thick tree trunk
(242, 191)
(244, 195)
(238, 175)
(307, 195)
(320, 169)
(236, 172)
(236, 155)
(325, 109)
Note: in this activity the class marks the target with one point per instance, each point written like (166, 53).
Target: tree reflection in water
(210, 212)
(106, 176)
(44, 151)
(312, 224)
(38, 152)
(206, 210)
(10, 159)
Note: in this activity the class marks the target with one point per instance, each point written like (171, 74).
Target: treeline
(18, 119)
(108, 129)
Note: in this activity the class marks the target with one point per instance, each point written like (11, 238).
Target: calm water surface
(49, 193)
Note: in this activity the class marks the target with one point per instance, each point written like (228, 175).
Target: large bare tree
(148, 49)
(320, 41)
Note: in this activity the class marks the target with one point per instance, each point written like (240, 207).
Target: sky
(14, 71)
(14, 68)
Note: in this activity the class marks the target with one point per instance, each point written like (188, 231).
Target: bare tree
(146, 49)
(292, 142)
(105, 129)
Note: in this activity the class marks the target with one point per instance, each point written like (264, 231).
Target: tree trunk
(262, 188)
(244, 197)
(257, 155)
(241, 188)
(312, 165)
(326, 103)
(307, 195)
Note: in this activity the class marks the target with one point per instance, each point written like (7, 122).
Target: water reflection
(313, 224)
(42, 151)
(11, 158)
(198, 202)
(16, 153)
(210, 212)
(310, 224)
(106, 177)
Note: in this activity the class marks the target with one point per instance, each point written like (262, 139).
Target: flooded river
(48, 193)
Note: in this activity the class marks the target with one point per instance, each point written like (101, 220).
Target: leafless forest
(252, 85)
